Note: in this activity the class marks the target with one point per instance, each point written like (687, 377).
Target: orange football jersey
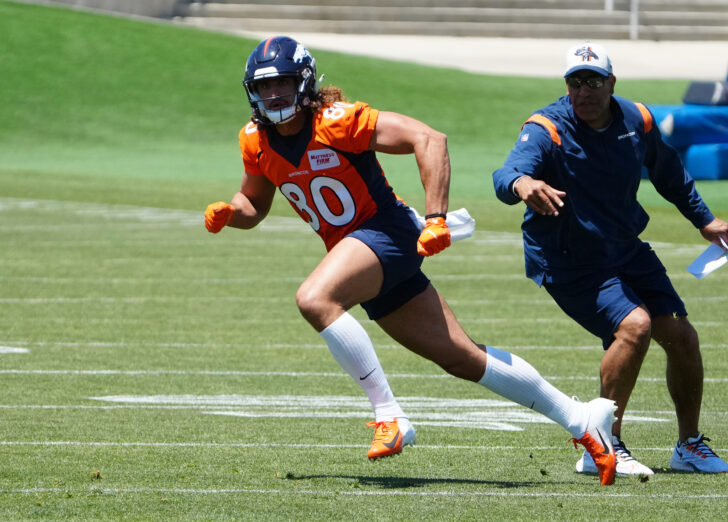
(327, 172)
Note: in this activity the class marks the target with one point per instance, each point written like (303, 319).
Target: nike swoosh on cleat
(367, 375)
(393, 442)
(604, 444)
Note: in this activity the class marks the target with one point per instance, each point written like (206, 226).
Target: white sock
(513, 378)
(350, 345)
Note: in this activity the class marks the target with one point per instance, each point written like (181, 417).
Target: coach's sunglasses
(593, 82)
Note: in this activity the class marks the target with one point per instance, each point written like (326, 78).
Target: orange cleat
(390, 438)
(597, 439)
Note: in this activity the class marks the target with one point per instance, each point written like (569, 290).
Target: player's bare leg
(350, 274)
(427, 326)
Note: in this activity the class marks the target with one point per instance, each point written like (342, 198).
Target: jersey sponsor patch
(323, 159)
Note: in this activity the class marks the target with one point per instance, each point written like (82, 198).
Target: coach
(577, 166)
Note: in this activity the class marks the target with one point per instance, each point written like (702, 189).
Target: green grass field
(153, 371)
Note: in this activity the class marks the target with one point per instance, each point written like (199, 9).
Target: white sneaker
(695, 456)
(597, 440)
(626, 463)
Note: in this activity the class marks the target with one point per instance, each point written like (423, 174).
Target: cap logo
(586, 54)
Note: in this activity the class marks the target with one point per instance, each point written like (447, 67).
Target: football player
(319, 151)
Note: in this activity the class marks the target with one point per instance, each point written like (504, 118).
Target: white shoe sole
(623, 468)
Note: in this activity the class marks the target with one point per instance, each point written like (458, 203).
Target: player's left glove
(218, 215)
(435, 237)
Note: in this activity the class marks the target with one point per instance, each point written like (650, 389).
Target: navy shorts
(393, 238)
(600, 301)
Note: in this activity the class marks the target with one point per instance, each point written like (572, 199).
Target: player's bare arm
(538, 195)
(247, 208)
(399, 134)
(252, 203)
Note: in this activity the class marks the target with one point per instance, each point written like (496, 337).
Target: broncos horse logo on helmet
(273, 58)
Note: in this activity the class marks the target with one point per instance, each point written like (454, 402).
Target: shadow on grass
(670, 471)
(413, 482)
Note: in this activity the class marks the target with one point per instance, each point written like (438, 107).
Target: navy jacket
(599, 225)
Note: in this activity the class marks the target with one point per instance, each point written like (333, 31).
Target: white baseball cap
(589, 56)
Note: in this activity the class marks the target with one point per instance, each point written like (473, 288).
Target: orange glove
(218, 215)
(435, 237)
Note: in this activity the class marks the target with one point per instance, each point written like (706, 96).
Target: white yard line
(364, 493)
(6, 350)
(127, 344)
(264, 445)
(242, 373)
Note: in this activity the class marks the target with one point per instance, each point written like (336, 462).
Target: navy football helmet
(276, 57)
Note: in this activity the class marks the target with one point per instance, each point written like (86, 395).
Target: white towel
(460, 223)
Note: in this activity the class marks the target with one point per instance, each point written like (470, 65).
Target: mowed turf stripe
(124, 214)
(242, 373)
(287, 346)
(262, 299)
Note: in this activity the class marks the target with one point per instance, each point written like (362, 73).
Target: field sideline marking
(395, 493)
(434, 447)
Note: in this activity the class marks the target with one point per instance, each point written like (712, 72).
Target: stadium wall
(152, 8)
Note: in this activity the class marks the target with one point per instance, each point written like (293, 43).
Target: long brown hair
(326, 96)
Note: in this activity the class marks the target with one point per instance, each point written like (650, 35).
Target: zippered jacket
(600, 171)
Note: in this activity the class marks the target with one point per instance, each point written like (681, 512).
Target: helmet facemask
(280, 57)
(262, 110)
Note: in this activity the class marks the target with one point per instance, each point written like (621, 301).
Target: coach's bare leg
(623, 359)
(684, 369)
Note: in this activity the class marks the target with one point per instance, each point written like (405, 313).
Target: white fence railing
(634, 15)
